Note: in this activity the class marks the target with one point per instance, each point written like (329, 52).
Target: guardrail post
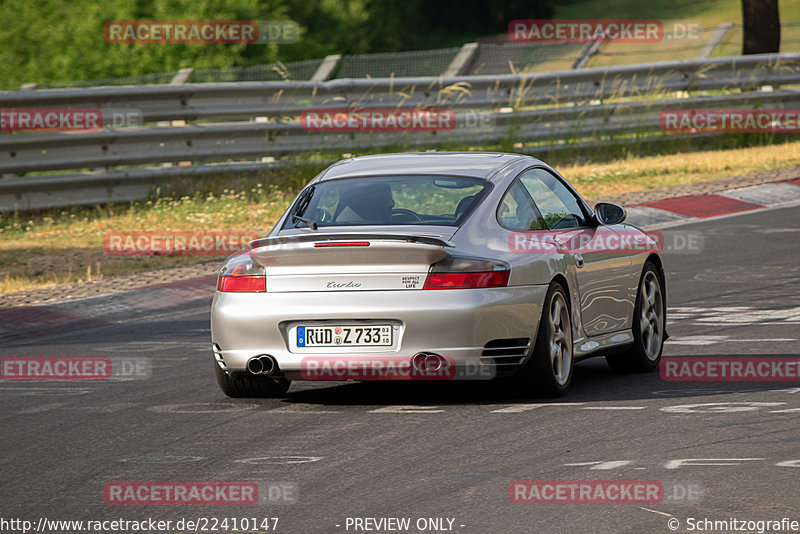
(715, 39)
(24, 87)
(325, 68)
(181, 76)
(586, 54)
(462, 62)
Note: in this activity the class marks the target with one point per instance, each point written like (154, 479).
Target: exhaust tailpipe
(427, 361)
(268, 365)
(254, 366)
(262, 365)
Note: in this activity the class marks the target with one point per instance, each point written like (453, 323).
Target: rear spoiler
(305, 238)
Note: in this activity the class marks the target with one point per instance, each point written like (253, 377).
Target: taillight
(457, 272)
(242, 274)
(244, 284)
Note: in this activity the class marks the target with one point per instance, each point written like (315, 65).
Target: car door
(602, 273)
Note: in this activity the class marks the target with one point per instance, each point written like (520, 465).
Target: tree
(62, 40)
(762, 26)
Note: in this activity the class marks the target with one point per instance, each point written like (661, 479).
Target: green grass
(710, 12)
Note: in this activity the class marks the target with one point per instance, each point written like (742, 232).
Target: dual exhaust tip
(262, 365)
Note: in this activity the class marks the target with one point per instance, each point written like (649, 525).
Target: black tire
(542, 374)
(243, 386)
(649, 322)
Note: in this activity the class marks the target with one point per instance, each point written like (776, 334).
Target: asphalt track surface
(436, 450)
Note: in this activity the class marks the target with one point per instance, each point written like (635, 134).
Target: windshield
(402, 200)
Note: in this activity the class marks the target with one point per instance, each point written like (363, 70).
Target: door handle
(579, 260)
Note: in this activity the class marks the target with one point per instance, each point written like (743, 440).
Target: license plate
(379, 335)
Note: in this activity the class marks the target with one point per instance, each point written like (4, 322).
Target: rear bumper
(454, 323)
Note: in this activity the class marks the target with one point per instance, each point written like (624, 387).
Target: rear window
(405, 200)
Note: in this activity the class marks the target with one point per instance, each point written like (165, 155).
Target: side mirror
(607, 213)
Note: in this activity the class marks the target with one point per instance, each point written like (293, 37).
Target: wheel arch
(574, 308)
(655, 259)
(559, 278)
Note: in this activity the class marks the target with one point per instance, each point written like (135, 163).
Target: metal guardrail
(570, 109)
(273, 99)
(216, 142)
(104, 186)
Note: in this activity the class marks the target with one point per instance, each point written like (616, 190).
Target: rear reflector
(466, 280)
(343, 244)
(242, 284)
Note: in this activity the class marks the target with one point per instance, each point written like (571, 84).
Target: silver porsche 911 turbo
(437, 266)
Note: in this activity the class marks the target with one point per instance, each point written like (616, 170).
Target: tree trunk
(762, 26)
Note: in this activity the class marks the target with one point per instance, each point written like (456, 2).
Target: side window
(559, 207)
(517, 212)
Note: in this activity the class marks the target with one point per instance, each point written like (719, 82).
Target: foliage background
(62, 40)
